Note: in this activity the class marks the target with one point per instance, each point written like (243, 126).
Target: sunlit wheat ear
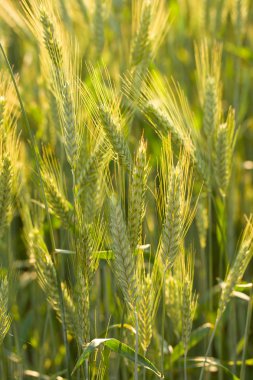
(167, 109)
(52, 178)
(149, 290)
(103, 104)
(98, 27)
(9, 169)
(150, 23)
(202, 221)
(50, 39)
(175, 204)
(82, 302)
(5, 318)
(136, 208)
(208, 64)
(47, 278)
(115, 136)
(9, 110)
(6, 178)
(235, 273)
(145, 312)
(210, 110)
(59, 70)
(141, 40)
(188, 297)
(224, 146)
(124, 262)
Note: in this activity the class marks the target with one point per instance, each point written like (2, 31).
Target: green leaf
(118, 347)
(196, 336)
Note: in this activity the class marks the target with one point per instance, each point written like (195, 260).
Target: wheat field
(126, 189)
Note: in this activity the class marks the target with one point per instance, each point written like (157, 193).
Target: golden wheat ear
(103, 104)
(47, 278)
(175, 203)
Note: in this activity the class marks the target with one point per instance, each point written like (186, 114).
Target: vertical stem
(163, 326)
(246, 334)
(185, 365)
(86, 369)
(136, 346)
(210, 248)
(208, 349)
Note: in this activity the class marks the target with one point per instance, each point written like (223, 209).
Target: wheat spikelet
(167, 109)
(141, 40)
(69, 124)
(82, 302)
(208, 64)
(2, 109)
(50, 39)
(123, 263)
(145, 306)
(5, 319)
(173, 227)
(174, 206)
(188, 298)
(98, 27)
(115, 137)
(161, 121)
(6, 179)
(172, 301)
(47, 278)
(136, 196)
(224, 146)
(51, 175)
(210, 108)
(238, 268)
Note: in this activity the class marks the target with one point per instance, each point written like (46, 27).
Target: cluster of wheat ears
(112, 227)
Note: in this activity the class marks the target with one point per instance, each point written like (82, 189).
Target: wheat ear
(136, 196)
(5, 318)
(123, 263)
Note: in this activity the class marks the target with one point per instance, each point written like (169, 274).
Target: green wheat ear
(47, 278)
(6, 179)
(141, 41)
(98, 26)
(124, 262)
(59, 205)
(5, 318)
(136, 208)
(188, 297)
(224, 147)
(243, 257)
(115, 136)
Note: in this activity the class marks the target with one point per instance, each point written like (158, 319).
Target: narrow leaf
(118, 347)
